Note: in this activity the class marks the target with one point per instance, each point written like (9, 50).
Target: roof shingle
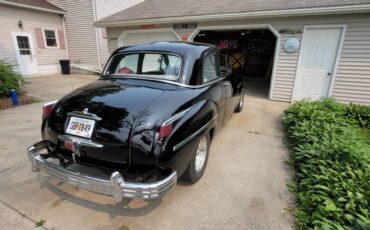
(151, 9)
(37, 3)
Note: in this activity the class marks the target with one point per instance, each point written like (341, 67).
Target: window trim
(56, 38)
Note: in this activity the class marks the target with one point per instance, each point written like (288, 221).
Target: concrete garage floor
(244, 185)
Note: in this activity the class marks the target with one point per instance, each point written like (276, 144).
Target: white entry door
(25, 53)
(316, 62)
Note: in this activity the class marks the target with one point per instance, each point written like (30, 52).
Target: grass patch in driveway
(40, 223)
(330, 150)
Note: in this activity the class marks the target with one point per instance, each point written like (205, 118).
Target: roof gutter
(31, 7)
(364, 8)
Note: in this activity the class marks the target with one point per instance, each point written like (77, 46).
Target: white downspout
(65, 34)
(97, 33)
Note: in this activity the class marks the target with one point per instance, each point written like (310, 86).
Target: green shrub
(330, 151)
(359, 114)
(9, 79)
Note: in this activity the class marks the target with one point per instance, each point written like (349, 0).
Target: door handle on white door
(329, 74)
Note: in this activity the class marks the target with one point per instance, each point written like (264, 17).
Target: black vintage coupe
(148, 120)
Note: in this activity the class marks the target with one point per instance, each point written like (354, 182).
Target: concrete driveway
(244, 185)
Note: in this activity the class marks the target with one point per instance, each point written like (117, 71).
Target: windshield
(149, 65)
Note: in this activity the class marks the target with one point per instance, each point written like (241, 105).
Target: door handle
(329, 74)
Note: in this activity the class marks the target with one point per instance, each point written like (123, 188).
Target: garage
(251, 54)
(132, 37)
(284, 51)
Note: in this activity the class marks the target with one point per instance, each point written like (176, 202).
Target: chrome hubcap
(201, 154)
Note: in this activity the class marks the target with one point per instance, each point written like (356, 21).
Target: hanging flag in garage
(228, 44)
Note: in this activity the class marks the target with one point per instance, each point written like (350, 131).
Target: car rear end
(87, 142)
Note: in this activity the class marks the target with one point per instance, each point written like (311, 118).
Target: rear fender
(178, 147)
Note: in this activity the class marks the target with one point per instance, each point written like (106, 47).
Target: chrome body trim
(177, 116)
(80, 141)
(84, 115)
(196, 133)
(114, 186)
(166, 81)
(50, 103)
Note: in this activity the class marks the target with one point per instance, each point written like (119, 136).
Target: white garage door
(141, 37)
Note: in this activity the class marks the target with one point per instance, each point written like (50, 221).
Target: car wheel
(198, 162)
(239, 108)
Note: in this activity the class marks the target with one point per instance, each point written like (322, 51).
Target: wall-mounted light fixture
(20, 24)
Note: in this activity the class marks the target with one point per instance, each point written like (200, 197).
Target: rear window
(149, 65)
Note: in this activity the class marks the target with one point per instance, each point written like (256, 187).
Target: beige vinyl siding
(47, 58)
(80, 32)
(105, 8)
(82, 37)
(354, 62)
(285, 70)
(352, 82)
(353, 75)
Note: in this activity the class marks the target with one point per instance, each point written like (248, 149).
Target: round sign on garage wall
(291, 45)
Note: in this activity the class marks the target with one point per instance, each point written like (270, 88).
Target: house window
(50, 38)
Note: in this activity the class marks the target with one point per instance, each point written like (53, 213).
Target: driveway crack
(21, 213)
(13, 166)
(264, 134)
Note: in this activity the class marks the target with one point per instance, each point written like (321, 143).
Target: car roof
(194, 49)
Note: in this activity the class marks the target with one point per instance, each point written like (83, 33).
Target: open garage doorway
(251, 53)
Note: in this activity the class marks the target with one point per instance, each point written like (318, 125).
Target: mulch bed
(23, 99)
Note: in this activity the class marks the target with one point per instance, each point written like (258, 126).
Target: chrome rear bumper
(115, 186)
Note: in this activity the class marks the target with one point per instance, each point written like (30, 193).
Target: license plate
(80, 127)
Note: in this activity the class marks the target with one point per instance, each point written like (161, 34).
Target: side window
(209, 71)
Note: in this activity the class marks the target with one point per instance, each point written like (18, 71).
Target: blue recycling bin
(13, 94)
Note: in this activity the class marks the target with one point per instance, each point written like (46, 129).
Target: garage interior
(251, 54)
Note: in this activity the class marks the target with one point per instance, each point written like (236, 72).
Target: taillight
(165, 130)
(46, 110)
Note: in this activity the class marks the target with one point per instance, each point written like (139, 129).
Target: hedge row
(330, 151)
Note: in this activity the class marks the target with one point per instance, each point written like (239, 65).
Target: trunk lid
(119, 106)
